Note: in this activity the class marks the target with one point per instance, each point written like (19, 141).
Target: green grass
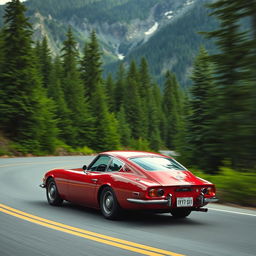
(233, 186)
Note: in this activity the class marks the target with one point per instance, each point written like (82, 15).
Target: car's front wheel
(108, 204)
(52, 193)
(180, 212)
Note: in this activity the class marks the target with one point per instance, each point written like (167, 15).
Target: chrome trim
(140, 201)
(42, 185)
(169, 199)
(211, 200)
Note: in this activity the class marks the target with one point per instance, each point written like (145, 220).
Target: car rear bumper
(169, 201)
(211, 200)
(141, 201)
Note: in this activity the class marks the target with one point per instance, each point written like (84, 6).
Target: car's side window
(115, 165)
(100, 164)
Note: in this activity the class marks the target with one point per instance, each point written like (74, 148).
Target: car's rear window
(157, 163)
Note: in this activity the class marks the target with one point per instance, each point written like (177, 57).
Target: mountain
(175, 46)
(164, 31)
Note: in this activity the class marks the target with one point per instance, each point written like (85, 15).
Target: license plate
(184, 201)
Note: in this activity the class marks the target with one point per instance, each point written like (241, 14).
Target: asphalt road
(222, 231)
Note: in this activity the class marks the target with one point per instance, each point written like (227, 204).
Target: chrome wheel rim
(108, 202)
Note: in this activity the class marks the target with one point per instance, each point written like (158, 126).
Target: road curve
(29, 226)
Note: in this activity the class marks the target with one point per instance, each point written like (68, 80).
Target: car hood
(176, 178)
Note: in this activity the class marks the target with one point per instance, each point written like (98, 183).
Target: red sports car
(130, 180)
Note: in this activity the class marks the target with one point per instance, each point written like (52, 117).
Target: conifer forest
(63, 104)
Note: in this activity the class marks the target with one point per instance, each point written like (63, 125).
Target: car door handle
(94, 180)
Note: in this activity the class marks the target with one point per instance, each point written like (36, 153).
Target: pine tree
(1, 69)
(62, 113)
(154, 135)
(150, 107)
(119, 93)
(27, 113)
(110, 92)
(145, 79)
(158, 98)
(146, 98)
(232, 75)
(91, 65)
(107, 137)
(123, 128)
(172, 109)
(45, 61)
(203, 133)
(1, 51)
(132, 102)
(247, 9)
(80, 115)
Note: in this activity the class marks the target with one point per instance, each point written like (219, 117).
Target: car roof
(128, 154)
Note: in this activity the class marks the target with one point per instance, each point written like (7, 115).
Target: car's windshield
(157, 163)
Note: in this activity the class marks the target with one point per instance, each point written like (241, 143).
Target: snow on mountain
(152, 29)
(168, 14)
(120, 56)
(189, 2)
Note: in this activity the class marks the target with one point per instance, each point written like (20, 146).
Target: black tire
(52, 194)
(109, 205)
(180, 213)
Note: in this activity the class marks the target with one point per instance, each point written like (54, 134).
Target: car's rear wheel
(108, 204)
(53, 196)
(180, 212)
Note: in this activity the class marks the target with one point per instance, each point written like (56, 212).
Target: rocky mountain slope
(127, 29)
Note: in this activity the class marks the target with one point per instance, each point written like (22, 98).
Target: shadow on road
(130, 217)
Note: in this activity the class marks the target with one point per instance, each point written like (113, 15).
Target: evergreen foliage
(27, 114)
(172, 109)
(56, 93)
(1, 51)
(45, 60)
(106, 124)
(65, 101)
(234, 76)
(91, 65)
(80, 116)
(202, 131)
(96, 10)
(124, 129)
(84, 110)
(175, 45)
(132, 102)
(119, 92)
(110, 90)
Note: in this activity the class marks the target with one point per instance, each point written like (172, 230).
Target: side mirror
(84, 167)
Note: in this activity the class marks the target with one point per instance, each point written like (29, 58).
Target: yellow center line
(116, 242)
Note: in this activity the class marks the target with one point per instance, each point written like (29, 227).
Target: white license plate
(184, 201)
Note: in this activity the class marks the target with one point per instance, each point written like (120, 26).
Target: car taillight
(208, 191)
(154, 192)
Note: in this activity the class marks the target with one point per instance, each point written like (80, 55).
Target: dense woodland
(51, 104)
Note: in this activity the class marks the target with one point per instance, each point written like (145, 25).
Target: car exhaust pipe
(201, 209)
